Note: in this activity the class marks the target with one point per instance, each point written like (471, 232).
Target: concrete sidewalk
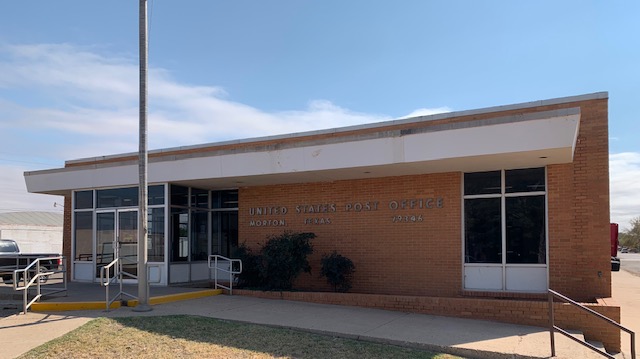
(464, 337)
(626, 291)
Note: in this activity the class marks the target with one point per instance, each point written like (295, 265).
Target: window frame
(503, 195)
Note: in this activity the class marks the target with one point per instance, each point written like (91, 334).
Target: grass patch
(183, 336)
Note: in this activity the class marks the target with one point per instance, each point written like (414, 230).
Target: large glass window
(179, 235)
(522, 194)
(483, 232)
(84, 200)
(155, 195)
(155, 239)
(83, 235)
(224, 199)
(179, 196)
(199, 235)
(224, 232)
(105, 236)
(526, 180)
(117, 197)
(199, 198)
(525, 223)
(482, 183)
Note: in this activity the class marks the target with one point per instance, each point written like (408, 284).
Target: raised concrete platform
(92, 296)
(464, 337)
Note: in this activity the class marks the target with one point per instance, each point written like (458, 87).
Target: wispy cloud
(62, 101)
(428, 111)
(14, 196)
(92, 98)
(624, 169)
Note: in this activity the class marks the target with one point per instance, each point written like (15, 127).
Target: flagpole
(143, 284)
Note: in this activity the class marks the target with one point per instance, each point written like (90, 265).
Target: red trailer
(615, 261)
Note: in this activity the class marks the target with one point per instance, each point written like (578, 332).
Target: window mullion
(503, 223)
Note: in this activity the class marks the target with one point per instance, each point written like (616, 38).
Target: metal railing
(218, 259)
(118, 274)
(38, 274)
(553, 328)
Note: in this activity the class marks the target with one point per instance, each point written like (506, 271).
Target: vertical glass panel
(179, 235)
(83, 235)
(199, 198)
(526, 238)
(482, 183)
(216, 232)
(155, 239)
(224, 233)
(483, 230)
(128, 241)
(117, 197)
(199, 235)
(224, 199)
(525, 180)
(155, 195)
(179, 196)
(105, 238)
(84, 200)
(229, 232)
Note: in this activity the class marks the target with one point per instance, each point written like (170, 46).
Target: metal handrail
(117, 274)
(231, 272)
(24, 275)
(553, 328)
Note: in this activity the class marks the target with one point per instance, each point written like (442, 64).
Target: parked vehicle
(11, 259)
(615, 261)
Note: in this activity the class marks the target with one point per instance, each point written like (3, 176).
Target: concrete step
(577, 350)
(597, 344)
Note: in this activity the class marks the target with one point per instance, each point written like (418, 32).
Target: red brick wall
(424, 258)
(413, 258)
(578, 197)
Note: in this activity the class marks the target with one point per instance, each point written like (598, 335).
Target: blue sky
(223, 70)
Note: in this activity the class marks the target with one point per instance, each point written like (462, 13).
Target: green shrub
(338, 270)
(284, 257)
(250, 276)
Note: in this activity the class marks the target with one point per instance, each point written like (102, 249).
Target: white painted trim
(517, 144)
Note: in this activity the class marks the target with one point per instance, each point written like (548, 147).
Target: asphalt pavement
(630, 262)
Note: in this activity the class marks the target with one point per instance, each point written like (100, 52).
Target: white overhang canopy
(520, 141)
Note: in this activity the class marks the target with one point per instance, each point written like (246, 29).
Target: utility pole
(143, 283)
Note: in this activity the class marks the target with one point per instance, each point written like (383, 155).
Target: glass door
(128, 241)
(105, 239)
(117, 236)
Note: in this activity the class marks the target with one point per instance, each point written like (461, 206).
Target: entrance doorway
(117, 237)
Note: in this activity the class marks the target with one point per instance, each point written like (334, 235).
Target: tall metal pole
(143, 284)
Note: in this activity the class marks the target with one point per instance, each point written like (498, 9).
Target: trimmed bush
(284, 257)
(338, 270)
(250, 276)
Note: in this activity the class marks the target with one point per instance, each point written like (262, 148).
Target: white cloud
(427, 112)
(82, 103)
(92, 99)
(61, 101)
(14, 196)
(624, 169)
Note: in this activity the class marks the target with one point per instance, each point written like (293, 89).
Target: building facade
(503, 202)
(35, 232)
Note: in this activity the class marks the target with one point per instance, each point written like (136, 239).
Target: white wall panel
(527, 279)
(483, 278)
